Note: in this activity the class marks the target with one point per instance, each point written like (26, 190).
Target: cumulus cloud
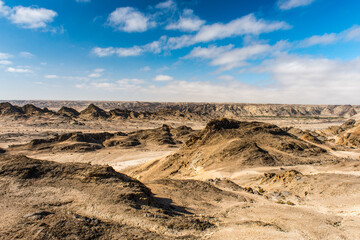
(188, 22)
(153, 47)
(5, 62)
(5, 56)
(18, 70)
(289, 4)
(169, 4)
(238, 57)
(247, 25)
(29, 17)
(209, 52)
(128, 52)
(51, 76)
(244, 26)
(124, 84)
(226, 78)
(290, 79)
(351, 34)
(227, 57)
(293, 79)
(121, 52)
(163, 78)
(320, 40)
(129, 19)
(319, 80)
(145, 69)
(103, 52)
(135, 81)
(26, 55)
(96, 73)
(4, 10)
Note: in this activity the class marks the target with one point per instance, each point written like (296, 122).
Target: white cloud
(51, 76)
(163, 78)
(227, 57)
(238, 57)
(4, 10)
(162, 69)
(129, 19)
(320, 40)
(96, 73)
(180, 42)
(135, 81)
(5, 62)
(129, 52)
(314, 80)
(104, 85)
(18, 70)
(352, 33)
(5, 56)
(248, 24)
(29, 17)
(169, 4)
(103, 52)
(153, 47)
(145, 69)
(121, 52)
(26, 55)
(226, 78)
(124, 84)
(188, 22)
(209, 52)
(289, 4)
(291, 80)
(99, 70)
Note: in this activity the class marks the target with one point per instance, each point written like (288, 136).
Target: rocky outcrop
(231, 145)
(70, 112)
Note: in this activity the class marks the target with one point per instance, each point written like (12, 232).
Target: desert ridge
(232, 145)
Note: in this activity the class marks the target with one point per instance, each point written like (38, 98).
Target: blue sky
(255, 51)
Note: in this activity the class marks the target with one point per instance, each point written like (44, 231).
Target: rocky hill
(48, 200)
(229, 145)
(348, 134)
(70, 112)
(7, 109)
(85, 142)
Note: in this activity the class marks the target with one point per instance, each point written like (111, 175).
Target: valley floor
(310, 201)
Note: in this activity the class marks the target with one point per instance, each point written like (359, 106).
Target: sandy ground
(119, 159)
(323, 204)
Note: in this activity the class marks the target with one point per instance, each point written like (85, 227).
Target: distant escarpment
(190, 111)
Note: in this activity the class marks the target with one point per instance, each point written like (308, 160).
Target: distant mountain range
(156, 110)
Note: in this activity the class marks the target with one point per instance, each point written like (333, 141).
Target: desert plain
(142, 170)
